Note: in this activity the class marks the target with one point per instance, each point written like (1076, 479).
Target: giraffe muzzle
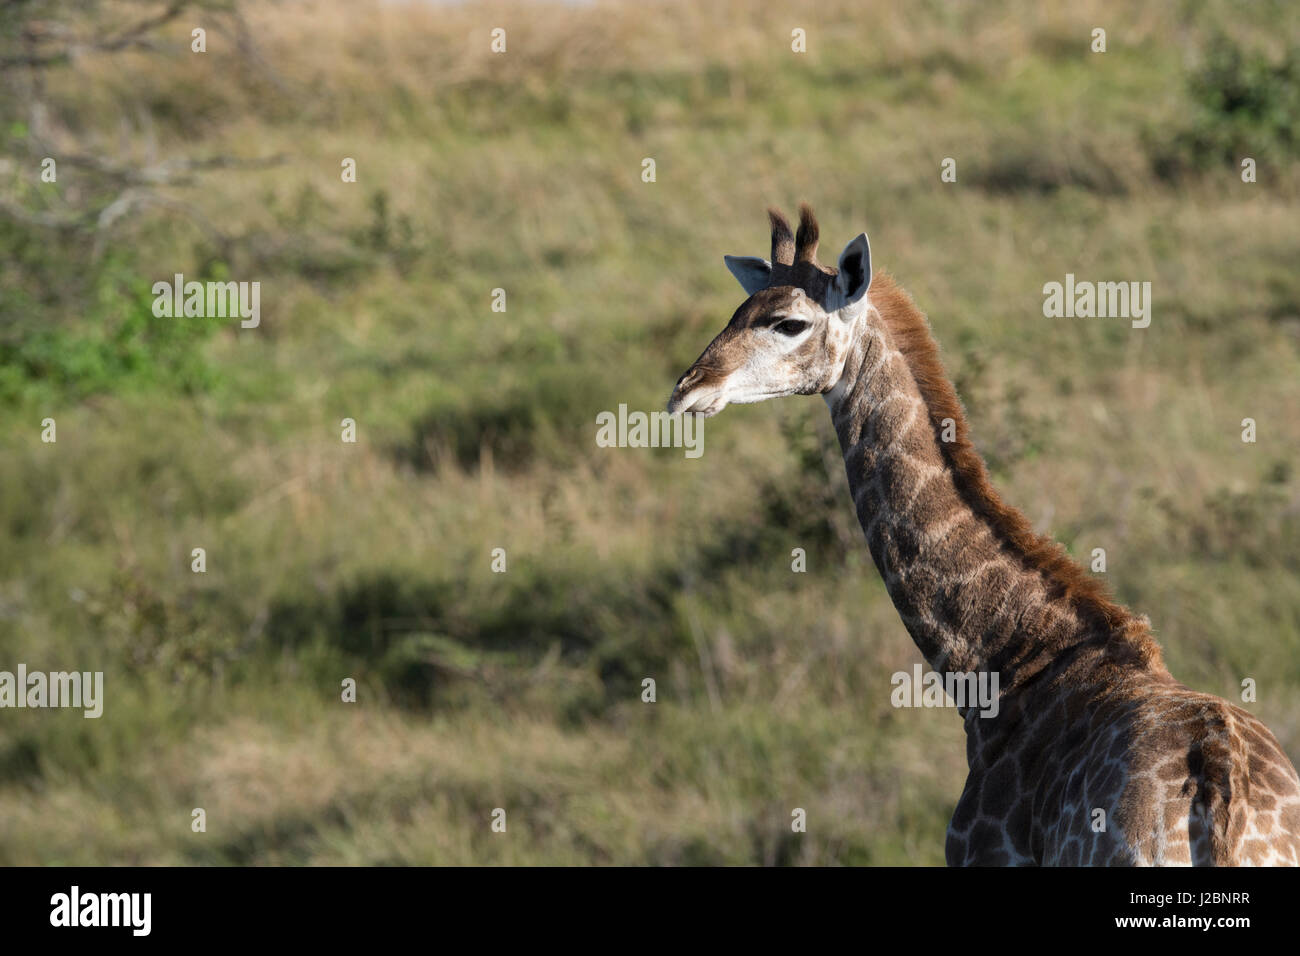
(697, 393)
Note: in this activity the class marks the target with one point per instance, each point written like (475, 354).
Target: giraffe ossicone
(1096, 754)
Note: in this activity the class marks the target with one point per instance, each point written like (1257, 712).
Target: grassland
(476, 429)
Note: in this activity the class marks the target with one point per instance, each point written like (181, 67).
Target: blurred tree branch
(37, 32)
(39, 38)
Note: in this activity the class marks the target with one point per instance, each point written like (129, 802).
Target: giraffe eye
(790, 327)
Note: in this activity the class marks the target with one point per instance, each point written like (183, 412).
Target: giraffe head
(791, 336)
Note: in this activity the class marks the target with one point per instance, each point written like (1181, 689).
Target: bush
(116, 343)
(1243, 105)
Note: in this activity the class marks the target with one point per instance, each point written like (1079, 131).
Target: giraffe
(1096, 754)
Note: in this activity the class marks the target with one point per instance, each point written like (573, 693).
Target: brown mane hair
(1125, 632)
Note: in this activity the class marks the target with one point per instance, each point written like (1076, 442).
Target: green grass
(476, 430)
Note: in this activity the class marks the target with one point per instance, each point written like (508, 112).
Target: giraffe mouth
(700, 402)
(699, 391)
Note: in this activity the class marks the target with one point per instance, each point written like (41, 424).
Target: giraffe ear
(751, 272)
(855, 269)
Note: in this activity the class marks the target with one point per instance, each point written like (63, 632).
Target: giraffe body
(1169, 768)
(1096, 755)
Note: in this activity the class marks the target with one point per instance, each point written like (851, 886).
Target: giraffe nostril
(684, 385)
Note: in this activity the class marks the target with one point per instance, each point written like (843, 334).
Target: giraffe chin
(706, 405)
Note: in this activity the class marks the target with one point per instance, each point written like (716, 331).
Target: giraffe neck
(975, 588)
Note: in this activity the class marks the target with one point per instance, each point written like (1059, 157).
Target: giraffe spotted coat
(1096, 754)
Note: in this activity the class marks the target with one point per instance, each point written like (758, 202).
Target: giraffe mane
(1128, 634)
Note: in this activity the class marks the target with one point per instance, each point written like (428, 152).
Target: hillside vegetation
(476, 429)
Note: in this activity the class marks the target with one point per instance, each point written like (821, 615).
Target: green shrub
(117, 342)
(1243, 105)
